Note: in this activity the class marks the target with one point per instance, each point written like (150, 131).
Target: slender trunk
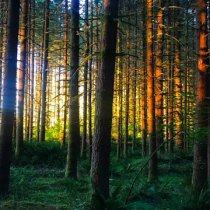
(159, 76)
(87, 50)
(65, 61)
(177, 83)
(120, 92)
(32, 73)
(150, 95)
(44, 73)
(144, 87)
(127, 94)
(21, 77)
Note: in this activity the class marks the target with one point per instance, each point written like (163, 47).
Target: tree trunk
(199, 179)
(65, 61)
(159, 77)
(74, 132)
(104, 98)
(32, 73)
(177, 82)
(21, 77)
(144, 87)
(9, 91)
(44, 73)
(87, 50)
(150, 95)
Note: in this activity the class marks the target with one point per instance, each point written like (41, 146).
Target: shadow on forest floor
(37, 183)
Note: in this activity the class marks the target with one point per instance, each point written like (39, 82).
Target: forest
(104, 104)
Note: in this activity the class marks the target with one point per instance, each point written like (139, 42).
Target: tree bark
(9, 91)
(104, 98)
(150, 95)
(199, 179)
(44, 73)
(74, 132)
(87, 50)
(159, 76)
(21, 77)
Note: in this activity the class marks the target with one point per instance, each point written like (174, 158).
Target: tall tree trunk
(177, 81)
(150, 95)
(90, 84)
(104, 98)
(9, 91)
(87, 50)
(144, 87)
(199, 179)
(120, 92)
(127, 93)
(21, 77)
(44, 73)
(74, 130)
(159, 76)
(65, 61)
(32, 72)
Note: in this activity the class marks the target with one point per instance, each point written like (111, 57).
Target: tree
(74, 132)
(84, 137)
(9, 92)
(150, 95)
(199, 179)
(177, 80)
(159, 75)
(21, 77)
(144, 85)
(65, 61)
(44, 72)
(104, 98)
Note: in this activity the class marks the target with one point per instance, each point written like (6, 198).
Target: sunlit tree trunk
(199, 179)
(144, 87)
(150, 95)
(44, 73)
(104, 98)
(74, 129)
(9, 92)
(127, 93)
(159, 76)
(177, 82)
(21, 77)
(120, 92)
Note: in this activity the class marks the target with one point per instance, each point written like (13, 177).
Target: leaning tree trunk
(104, 98)
(199, 179)
(9, 91)
(21, 77)
(74, 132)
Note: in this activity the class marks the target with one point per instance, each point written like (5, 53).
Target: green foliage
(53, 133)
(37, 182)
(49, 153)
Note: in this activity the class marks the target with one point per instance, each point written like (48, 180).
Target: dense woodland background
(104, 104)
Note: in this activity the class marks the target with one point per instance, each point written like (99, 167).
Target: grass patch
(37, 182)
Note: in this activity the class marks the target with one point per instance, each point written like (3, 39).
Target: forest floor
(37, 182)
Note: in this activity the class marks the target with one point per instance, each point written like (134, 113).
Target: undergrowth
(37, 182)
